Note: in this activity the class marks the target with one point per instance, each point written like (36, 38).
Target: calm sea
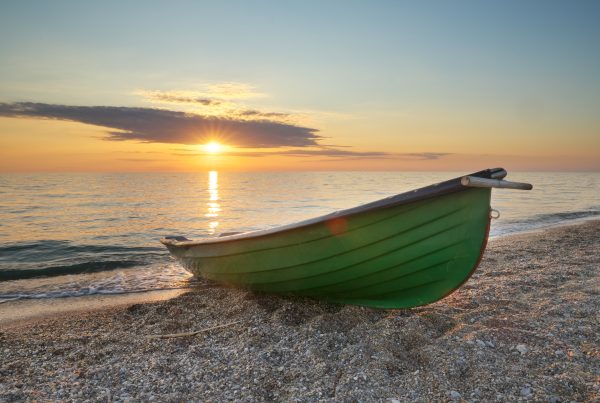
(77, 234)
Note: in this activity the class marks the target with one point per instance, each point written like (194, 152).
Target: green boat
(407, 250)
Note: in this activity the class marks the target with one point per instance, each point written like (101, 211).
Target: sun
(213, 147)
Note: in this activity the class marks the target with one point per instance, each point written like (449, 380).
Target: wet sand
(21, 312)
(524, 327)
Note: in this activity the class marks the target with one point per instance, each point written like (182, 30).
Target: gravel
(524, 327)
(522, 348)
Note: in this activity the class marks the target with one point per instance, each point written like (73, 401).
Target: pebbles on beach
(525, 327)
(522, 348)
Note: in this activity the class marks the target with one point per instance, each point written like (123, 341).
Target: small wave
(87, 267)
(571, 215)
(69, 246)
(166, 276)
(16, 247)
(540, 221)
(561, 216)
(90, 291)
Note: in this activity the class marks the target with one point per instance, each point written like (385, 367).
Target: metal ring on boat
(494, 213)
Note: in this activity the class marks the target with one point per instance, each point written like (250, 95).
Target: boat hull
(396, 256)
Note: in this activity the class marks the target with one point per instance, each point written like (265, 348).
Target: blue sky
(378, 60)
(333, 48)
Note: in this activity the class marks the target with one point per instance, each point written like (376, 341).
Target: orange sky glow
(383, 86)
(40, 145)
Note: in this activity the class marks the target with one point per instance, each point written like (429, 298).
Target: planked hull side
(396, 257)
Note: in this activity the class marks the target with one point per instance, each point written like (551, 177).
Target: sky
(313, 85)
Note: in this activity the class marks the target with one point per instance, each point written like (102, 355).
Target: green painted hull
(396, 256)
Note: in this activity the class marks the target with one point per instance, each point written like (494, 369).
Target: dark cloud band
(166, 126)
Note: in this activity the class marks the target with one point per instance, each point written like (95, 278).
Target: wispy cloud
(208, 94)
(230, 100)
(218, 100)
(426, 155)
(255, 114)
(167, 126)
(180, 97)
(322, 152)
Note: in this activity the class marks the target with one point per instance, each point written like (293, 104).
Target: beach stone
(526, 391)
(454, 395)
(555, 399)
(480, 343)
(522, 348)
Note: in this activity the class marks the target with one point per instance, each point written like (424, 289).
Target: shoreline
(566, 223)
(26, 310)
(524, 327)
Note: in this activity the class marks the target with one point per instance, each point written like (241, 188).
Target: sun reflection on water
(213, 201)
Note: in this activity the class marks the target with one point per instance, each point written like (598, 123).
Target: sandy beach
(524, 327)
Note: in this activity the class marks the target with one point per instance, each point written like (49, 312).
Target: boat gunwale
(439, 189)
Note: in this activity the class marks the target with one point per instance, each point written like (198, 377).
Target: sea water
(67, 235)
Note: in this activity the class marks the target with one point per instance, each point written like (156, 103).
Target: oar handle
(477, 182)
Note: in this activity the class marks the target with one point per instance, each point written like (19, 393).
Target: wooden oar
(477, 182)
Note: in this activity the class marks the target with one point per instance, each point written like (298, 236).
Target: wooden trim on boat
(477, 182)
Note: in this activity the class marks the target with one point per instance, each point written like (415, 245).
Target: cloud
(227, 99)
(209, 94)
(332, 153)
(167, 126)
(179, 97)
(294, 153)
(426, 155)
(253, 113)
(206, 104)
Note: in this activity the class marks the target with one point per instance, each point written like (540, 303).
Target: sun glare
(213, 147)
